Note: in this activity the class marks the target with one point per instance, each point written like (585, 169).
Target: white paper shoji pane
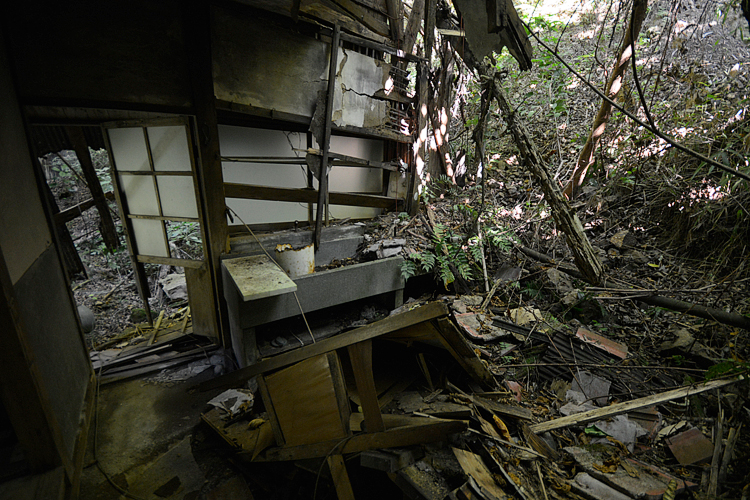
(129, 148)
(140, 194)
(177, 196)
(149, 237)
(169, 148)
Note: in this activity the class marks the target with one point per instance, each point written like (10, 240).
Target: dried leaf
(632, 471)
(255, 423)
(618, 443)
(504, 433)
(607, 469)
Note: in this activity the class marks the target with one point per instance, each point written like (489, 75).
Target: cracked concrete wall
(267, 65)
(358, 78)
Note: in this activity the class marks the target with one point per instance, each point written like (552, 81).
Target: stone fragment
(690, 447)
(650, 482)
(87, 318)
(508, 274)
(561, 282)
(636, 256)
(175, 286)
(594, 388)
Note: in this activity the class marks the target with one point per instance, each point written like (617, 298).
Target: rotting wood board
(475, 468)
(635, 404)
(455, 343)
(304, 401)
(258, 276)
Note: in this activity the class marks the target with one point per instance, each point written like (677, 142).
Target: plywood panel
(55, 339)
(305, 401)
(258, 276)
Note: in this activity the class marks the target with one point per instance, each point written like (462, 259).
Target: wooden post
(197, 18)
(106, 223)
(361, 358)
(340, 477)
(71, 259)
(323, 177)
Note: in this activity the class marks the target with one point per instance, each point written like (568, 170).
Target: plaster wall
(51, 330)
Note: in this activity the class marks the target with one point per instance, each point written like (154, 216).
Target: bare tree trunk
(440, 116)
(565, 218)
(614, 84)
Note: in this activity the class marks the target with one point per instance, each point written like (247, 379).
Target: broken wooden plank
(71, 213)
(635, 404)
(156, 328)
(340, 477)
(475, 468)
(307, 195)
(501, 409)
(257, 276)
(455, 343)
(392, 323)
(431, 431)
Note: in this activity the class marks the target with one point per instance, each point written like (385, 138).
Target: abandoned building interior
(279, 128)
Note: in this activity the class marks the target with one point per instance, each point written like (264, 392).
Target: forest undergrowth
(686, 221)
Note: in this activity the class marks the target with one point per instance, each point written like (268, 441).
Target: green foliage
(725, 368)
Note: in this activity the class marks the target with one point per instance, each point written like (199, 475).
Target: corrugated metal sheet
(565, 351)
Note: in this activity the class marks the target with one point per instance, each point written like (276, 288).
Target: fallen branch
(594, 365)
(635, 404)
(724, 317)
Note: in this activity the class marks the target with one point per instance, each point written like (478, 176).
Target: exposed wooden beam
(197, 20)
(322, 206)
(71, 213)
(307, 195)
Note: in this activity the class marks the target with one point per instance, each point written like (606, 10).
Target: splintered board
(307, 401)
(258, 276)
